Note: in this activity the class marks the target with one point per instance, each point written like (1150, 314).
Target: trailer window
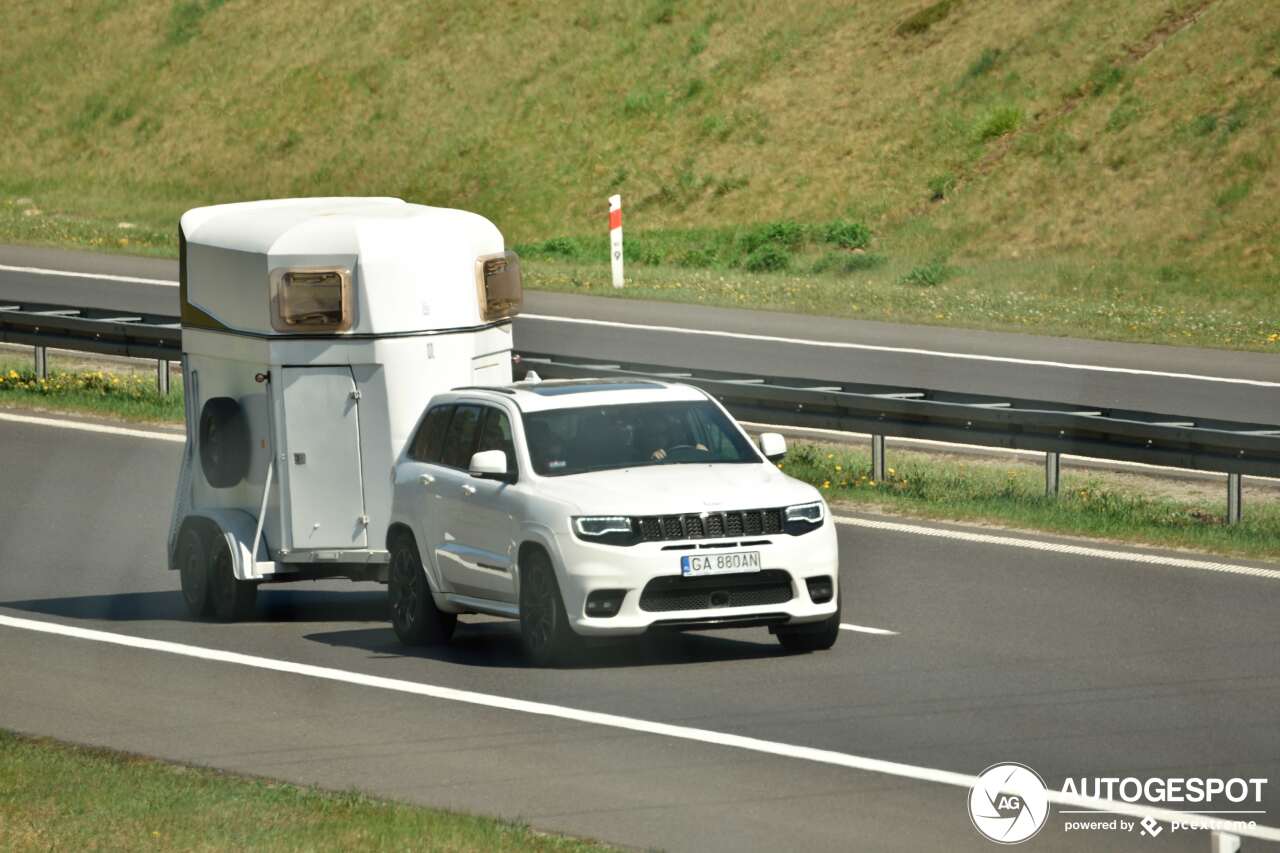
(460, 438)
(499, 285)
(429, 441)
(311, 300)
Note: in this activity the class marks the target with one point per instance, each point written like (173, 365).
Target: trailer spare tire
(224, 442)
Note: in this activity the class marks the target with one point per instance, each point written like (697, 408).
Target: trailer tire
(192, 557)
(224, 442)
(230, 600)
(414, 615)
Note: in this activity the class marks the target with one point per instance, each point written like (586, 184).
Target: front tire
(414, 615)
(192, 557)
(230, 600)
(548, 638)
(813, 637)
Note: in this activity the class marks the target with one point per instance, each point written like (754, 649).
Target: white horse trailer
(314, 331)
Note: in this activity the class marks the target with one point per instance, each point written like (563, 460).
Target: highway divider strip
(1066, 365)
(1062, 548)
(595, 718)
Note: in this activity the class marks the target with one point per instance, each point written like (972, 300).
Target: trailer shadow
(496, 644)
(273, 606)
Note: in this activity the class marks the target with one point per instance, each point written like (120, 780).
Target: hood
(672, 489)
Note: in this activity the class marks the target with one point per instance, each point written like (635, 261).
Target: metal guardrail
(92, 330)
(1054, 428)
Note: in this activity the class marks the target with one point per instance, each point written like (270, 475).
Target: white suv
(593, 507)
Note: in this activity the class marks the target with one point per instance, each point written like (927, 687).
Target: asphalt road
(1076, 667)
(1171, 380)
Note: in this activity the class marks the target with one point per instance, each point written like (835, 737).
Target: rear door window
(460, 437)
(428, 442)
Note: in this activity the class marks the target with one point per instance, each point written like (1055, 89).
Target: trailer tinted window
(460, 438)
(313, 300)
(429, 441)
(499, 285)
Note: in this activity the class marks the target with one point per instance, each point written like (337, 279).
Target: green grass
(54, 796)
(1058, 154)
(129, 395)
(1095, 505)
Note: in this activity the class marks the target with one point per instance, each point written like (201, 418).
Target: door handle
(426, 479)
(468, 490)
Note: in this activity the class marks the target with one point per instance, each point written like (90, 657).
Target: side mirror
(773, 446)
(489, 465)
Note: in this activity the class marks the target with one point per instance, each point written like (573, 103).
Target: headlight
(606, 529)
(802, 518)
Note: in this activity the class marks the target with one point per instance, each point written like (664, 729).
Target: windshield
(598, 438)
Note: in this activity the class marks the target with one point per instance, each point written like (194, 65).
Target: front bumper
(585, 567)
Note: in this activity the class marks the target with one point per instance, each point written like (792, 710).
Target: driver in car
(663, 433)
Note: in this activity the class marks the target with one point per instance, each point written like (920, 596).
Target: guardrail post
(1235, 494)
(42, 363)
(877, 458)
(1224, 842)
(1052, 470)
(162, 377)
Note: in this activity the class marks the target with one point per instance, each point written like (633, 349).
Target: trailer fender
(238, 528)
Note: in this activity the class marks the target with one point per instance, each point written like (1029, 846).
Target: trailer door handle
(426, 479)
(468, 490)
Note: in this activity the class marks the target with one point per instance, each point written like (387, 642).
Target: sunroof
(547, 389)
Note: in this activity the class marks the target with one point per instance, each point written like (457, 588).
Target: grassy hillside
(1064, 166)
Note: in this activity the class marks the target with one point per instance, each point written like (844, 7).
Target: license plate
(694, 565)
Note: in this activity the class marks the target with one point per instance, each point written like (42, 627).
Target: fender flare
(237, 527)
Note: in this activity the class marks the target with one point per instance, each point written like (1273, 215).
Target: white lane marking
(863, 629)
(1101, 368)
(615, 721)
(1062, 548)
(128, 279)
(1133, 371)
(84, 426)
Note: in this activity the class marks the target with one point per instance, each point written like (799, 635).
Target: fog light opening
(604, 603)
(820, 589)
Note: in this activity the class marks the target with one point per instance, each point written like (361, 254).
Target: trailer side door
(322, 449)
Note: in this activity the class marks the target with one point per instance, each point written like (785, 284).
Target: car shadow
(273, 606)
(496, 644)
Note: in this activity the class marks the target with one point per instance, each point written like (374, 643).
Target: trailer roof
(261, 226)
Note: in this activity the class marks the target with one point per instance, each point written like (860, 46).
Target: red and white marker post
(615, 237)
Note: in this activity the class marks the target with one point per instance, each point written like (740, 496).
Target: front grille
(711, 525)
(747, 589)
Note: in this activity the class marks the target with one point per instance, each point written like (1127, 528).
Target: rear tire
(414, 615)
(192, 558)
(813, 637)
(549, 639)
(230, 600)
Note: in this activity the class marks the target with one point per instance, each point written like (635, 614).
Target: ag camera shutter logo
(1009, 803)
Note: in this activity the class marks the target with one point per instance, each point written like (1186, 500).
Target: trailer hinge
(355, 395)
(364, 520)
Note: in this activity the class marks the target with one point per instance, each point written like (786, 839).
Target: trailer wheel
(230, 600)
(549, 639)
(414, 615)
(224, 442)
(192, 557)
